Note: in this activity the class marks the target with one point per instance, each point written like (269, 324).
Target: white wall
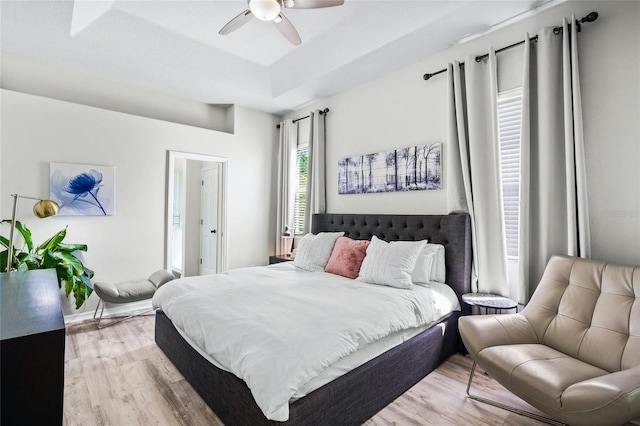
(37, 130)
(401, 109)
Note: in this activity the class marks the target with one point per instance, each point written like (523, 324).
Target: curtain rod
(322, 111)
(589, 18)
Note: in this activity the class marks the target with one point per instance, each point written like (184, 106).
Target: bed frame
(356, 396)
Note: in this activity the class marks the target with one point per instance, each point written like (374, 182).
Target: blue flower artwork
(83, 190)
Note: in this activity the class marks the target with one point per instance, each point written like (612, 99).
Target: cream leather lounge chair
(574, 351)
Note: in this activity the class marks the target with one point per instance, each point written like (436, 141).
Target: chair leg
(506, 407)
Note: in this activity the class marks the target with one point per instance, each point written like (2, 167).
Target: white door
(209, 232)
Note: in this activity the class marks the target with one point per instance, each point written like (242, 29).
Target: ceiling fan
(271, 10)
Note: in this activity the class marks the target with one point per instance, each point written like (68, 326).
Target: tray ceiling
(174, 46)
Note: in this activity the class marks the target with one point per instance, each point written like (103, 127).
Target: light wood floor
(118, 376)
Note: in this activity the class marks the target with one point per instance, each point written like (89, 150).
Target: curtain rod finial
(590, 17)
(427, 76)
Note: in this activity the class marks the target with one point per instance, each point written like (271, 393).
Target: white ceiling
(174, 46)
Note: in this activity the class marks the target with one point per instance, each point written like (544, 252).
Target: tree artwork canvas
(83, 190)
(408, 169)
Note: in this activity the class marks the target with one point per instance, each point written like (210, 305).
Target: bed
(357, 395)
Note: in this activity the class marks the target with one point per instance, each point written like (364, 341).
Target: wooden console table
(32, 348)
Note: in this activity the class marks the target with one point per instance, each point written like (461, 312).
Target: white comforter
(278, 327)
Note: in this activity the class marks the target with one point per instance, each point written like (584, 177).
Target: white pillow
(390, 263)
(423, 271)
(438, 269)
(430, 265)
(314, 251)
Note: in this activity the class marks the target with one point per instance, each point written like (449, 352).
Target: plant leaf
(70, 248)
(74, 262)
(89, 273)
(52, 242)
(3, 260)
(4, 241)
(21, 256)
(68, 285)
(79, 292)
(49, 260)
(15, 263)
(26, 234)
(64, 272)
(32, 260)
(66, 260)
(87, 282)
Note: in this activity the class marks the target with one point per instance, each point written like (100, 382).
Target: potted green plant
(52, 253)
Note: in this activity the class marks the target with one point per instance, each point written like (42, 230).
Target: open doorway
(196, 214)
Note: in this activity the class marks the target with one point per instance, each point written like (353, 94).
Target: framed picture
(83, 190)
(406, 169)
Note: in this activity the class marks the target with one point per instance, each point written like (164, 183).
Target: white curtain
(553, 194)
(474, 168)
(288, 144)
(316, 198)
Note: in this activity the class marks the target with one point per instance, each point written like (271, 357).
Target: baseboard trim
(110, 311)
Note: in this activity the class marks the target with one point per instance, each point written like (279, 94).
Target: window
(509, 125)
(302, 159)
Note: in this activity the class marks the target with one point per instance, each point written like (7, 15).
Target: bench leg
(100, 325)
(97, 306)
(506, 407)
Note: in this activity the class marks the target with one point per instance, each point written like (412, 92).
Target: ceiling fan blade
(287, 29)
(237, 22)
(315, 4)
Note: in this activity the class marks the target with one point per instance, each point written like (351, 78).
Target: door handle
(213, 231)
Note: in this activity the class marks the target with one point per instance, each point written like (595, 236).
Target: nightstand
(279, 258)
(489, 301)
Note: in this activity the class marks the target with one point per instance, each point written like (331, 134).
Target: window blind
(509, 127)
(302, 157)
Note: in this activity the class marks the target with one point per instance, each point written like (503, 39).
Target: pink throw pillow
(346, 257)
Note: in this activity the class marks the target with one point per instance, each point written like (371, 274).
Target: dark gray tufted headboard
(452, 230)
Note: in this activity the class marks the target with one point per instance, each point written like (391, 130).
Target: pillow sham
(314, 250)
(438, 269)
(346, 257)
(430, 265)
(424, 267)
(391, 263)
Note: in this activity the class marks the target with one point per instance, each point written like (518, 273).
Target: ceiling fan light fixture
(265, 10)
